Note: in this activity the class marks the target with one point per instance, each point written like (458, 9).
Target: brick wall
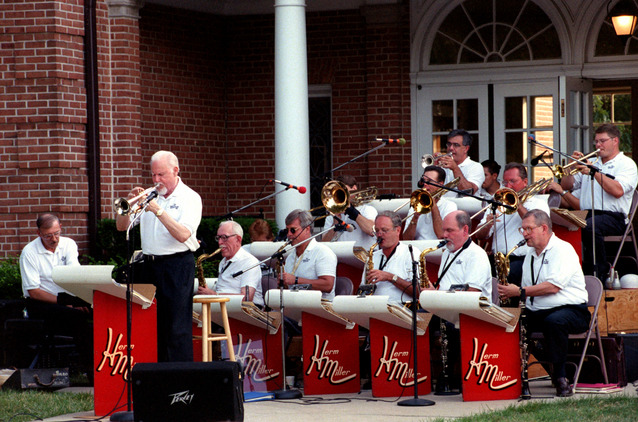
(42, 145)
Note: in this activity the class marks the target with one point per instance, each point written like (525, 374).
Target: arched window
(501, 31)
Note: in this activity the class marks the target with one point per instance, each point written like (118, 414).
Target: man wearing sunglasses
(236, 259)
(612, 197)
(63, 313)
(310, 262)
(168, 228)
(554, 285)
(459, 164)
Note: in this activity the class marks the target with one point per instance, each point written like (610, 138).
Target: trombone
(563, 171)
(422, 201)
(124, 206)
(429, 159)
(336, 198)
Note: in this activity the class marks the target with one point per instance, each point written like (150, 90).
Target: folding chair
(629, 232)
(343, 286)
(594, 293)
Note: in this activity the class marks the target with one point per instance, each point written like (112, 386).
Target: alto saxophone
(200, 269)
(502, 263)
(370, 261)
(425, 280)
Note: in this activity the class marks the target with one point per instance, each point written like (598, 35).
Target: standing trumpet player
(429, 226)
(168, 229)
(458, 163)
(612, 197)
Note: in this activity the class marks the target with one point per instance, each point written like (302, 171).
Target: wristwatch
(395, 278)
(159, 212)
(296, 280)
(565, 192)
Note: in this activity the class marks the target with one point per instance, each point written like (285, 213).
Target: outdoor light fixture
(623, 17)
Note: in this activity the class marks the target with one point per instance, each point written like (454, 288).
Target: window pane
(442, 116)
(467, 112)
(542, 111)
(515, 111)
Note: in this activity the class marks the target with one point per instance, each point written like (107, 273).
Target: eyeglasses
(523, 230)
(384, 231)
(51, 235)
(223, 237)
(453, 144)
(294, 230)
(511, 182)
(601, 140)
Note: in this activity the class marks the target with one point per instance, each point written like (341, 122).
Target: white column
(292, 148)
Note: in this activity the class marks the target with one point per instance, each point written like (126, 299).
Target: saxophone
(425, 280)
(502, 264)
(370, 261)
(200, 269)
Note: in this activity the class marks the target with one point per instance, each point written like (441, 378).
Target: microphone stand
(128, 415)
(353, 160)
(415, 401)
(285, 393)
(495, 204)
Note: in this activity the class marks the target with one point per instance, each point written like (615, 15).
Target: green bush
(10, 282)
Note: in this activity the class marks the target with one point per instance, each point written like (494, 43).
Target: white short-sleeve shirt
(424, 226)
(242, 260)
(36, 264)
(316, 260)
(472, 171)
(471, 267)
(400, 263)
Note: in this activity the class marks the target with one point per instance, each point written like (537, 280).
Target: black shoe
(563, 389)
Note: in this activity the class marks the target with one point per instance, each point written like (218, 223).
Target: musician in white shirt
(459, 163)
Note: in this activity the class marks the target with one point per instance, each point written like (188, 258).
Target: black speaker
(188, 391)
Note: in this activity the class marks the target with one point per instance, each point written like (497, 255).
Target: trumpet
(429, 159)
(563, 171)
(124, 206)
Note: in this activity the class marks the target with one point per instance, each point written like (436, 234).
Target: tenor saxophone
(425, 280)
(502, 263)
(200, 269)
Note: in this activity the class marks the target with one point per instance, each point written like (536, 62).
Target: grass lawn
(29, 405)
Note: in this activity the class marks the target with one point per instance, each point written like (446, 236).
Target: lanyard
(298, 261)
(535, 280)
(225, 267)
(383, 264)
(448, 265)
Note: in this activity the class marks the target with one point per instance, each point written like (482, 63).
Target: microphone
(400, 141)
(301, 189)
(341, 225)
(538, 158)
(531, 138)
(152, 195)
(411, 251)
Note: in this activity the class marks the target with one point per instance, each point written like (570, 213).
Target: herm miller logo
(183, 397)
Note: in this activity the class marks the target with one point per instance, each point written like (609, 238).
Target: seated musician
(310, 262)
(235, 259)
(360, 217)
(612, 197)
(63, 313)
(491, 169)
(504, 232)
(428, 226)
(554, 286)
(464, 266)
(392, 273)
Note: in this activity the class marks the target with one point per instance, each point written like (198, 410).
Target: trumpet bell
(421, 201)
(508, 197)
(334, 197)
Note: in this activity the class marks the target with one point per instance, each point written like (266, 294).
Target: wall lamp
(623, 17)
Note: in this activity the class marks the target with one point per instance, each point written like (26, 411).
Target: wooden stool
(207, 336)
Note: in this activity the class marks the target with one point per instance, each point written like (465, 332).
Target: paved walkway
(365, 408)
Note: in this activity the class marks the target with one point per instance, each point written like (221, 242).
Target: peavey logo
(487, 372)
(115, 355)
(183, 397)
(327, 367)
(396, 369)
(253, 367)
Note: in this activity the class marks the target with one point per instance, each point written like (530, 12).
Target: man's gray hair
(165, 155)
(235, 227)
(305, 218)
(463, 219)
(540, 218)
(396, 218)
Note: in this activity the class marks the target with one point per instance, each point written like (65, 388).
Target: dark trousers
(174, 278)
(66, 321)
(606, 224)
(556, 324)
